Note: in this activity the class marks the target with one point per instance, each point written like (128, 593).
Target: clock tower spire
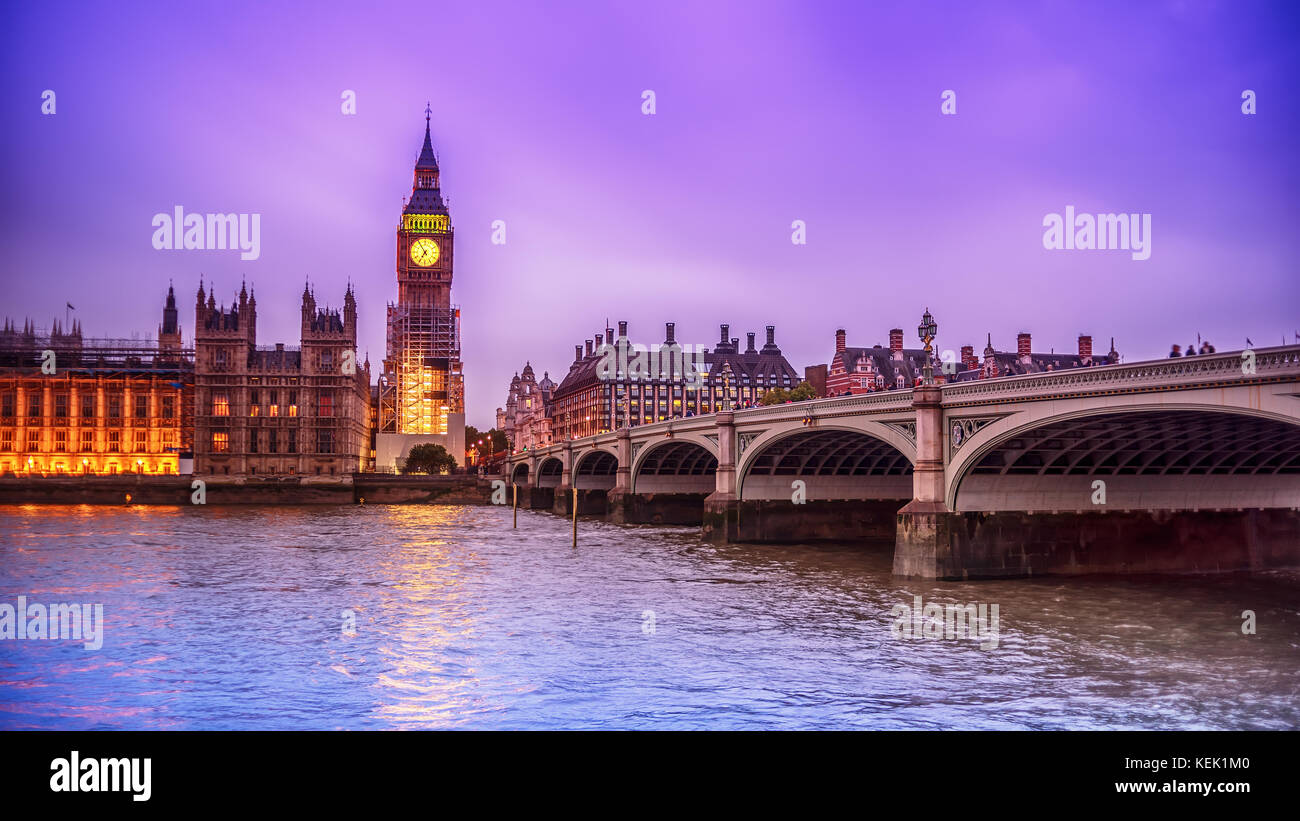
(426, 193)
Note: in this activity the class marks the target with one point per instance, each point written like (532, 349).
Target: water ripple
(234, 618)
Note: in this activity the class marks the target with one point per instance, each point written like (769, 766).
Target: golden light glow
(424, 252)
(424, 223)
(95, 465)
(420, 412)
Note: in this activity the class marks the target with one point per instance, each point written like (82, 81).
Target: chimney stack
(839, 341)
(735, 344)
(588, 347)
(726, 329)
(670, 330)
(1085, 348)
(968, 359)
(609, 336)
(577, 353)
(896, 343)
(770, 347)
(622, 328)
(750, 339)
(1023, 349)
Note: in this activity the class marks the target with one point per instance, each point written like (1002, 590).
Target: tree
(429, 458)
(802, 391)
(798, 393)
(499, 442)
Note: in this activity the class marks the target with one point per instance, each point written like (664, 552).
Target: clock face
(424, 252)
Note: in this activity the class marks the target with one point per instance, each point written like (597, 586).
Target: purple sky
(766, 113)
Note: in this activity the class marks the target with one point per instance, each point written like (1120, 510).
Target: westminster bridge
(1181, 464)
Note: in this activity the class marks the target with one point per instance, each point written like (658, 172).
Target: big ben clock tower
(422, 392)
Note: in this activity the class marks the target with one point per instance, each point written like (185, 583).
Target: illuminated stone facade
(529, 411)
(71, 405)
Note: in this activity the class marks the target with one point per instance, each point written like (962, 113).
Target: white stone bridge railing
(1269, 365)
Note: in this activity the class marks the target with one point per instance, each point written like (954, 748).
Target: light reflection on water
(232, 618)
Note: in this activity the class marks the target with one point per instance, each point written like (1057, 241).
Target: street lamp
(927, 331)
(726, 386)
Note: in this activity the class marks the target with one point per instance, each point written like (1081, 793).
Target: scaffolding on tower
(423, 382)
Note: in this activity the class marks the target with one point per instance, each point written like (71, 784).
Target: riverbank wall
(358, 488)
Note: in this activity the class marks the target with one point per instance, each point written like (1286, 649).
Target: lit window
(220, 404)
(220, 442)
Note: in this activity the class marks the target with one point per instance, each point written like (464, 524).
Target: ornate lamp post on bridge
(927, 331)
(726, 386)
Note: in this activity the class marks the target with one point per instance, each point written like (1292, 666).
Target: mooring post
(575, 517)
(515, 504)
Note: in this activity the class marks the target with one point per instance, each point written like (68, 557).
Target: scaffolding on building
(422, 382)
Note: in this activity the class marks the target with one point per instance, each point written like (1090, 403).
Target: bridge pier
(779, 521)
(722, 506)
(591, 501)
(656, 508)
(924, 527)
(536, 498)
(958, 546)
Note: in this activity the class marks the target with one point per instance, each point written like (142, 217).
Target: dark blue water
(222, 618)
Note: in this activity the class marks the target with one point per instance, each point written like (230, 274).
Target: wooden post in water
(515, 505)
(575, 516)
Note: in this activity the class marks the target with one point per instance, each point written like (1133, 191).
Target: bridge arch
(595, 469)
(550, 470)
(1184, 456)
(519, 473)
(676, 465)
(834, 461)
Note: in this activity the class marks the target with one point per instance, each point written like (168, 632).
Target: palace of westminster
(230, 407)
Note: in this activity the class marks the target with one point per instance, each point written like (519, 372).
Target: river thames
(437, 617)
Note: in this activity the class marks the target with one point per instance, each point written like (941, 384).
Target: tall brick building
(591, 398)
(866, 370)
(277, 410)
